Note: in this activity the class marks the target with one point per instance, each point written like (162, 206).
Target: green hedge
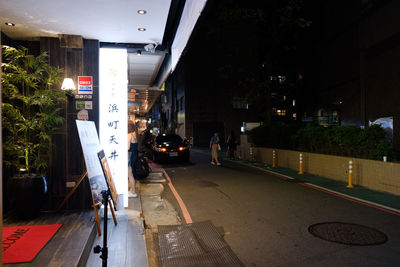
(278, 135)
(350, 141)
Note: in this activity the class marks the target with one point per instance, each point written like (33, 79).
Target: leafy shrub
(31, 110)
(350, 141)
(373, 143)
(312, 139)
(345, 139)
(274, 135)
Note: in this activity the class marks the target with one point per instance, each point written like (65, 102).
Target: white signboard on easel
(90, 147)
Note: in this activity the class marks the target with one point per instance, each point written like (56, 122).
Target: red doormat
(22, 243)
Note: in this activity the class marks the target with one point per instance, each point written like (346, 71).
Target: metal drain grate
(196, 245)
(348, 233)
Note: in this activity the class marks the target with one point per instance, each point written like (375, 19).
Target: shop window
(240, 103)
(281, 112)
(281, 79)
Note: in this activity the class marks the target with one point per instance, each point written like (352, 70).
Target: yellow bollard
(301, 164)
(350, 184)
(273, 159)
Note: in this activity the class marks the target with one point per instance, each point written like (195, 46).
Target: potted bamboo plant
(30, 116)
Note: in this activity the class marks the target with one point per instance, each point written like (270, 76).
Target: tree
(30, 109)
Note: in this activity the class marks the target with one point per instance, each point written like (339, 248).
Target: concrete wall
(376, 175)
(243, 148)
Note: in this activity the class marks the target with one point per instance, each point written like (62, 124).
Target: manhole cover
(348, 233)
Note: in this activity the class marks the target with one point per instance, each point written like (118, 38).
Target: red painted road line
(182, 205)
(349, 198)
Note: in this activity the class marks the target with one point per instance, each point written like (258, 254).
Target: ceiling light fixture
(10, 24)
(141, 29)
(139, 53)
(142, 11)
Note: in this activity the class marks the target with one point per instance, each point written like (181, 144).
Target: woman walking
(132, 157)
(214, 145)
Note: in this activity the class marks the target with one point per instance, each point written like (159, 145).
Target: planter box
(376, 175)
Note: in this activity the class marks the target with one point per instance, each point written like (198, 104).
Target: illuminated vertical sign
(113, 114)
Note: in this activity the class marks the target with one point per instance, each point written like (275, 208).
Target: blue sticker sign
(85, 84)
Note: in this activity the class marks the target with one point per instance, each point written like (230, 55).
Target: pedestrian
(215, 146)
(231, 142)
(191, 141)
(145, 142)
(132, 157)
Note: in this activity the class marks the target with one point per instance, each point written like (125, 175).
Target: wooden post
(96, 214)
(95, 205)
(72, 190)
(112, 212)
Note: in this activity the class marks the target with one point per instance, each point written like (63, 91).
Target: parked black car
(170, 147)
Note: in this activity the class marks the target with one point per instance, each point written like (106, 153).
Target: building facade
(344, 71)
(355, 64)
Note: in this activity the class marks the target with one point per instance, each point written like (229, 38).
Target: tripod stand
(104, 249)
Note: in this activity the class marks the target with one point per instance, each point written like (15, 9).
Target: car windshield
(169, 138)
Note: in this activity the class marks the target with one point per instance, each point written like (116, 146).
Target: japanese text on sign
(113, 114)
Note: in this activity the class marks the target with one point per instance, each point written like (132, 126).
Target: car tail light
(160, 149)
(181, 148)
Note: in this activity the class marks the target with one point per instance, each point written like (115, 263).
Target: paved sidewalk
(126, 240)
(386, 201)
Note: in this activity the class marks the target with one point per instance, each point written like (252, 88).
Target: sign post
(90, 147)
(113, 114)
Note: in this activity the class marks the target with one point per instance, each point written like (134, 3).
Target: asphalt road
(265, 219)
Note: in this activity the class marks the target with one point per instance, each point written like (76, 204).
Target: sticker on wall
(83, 115)
(84, 105)
(81, 96)
(80, 104)
(85, 84)
(89, 105)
